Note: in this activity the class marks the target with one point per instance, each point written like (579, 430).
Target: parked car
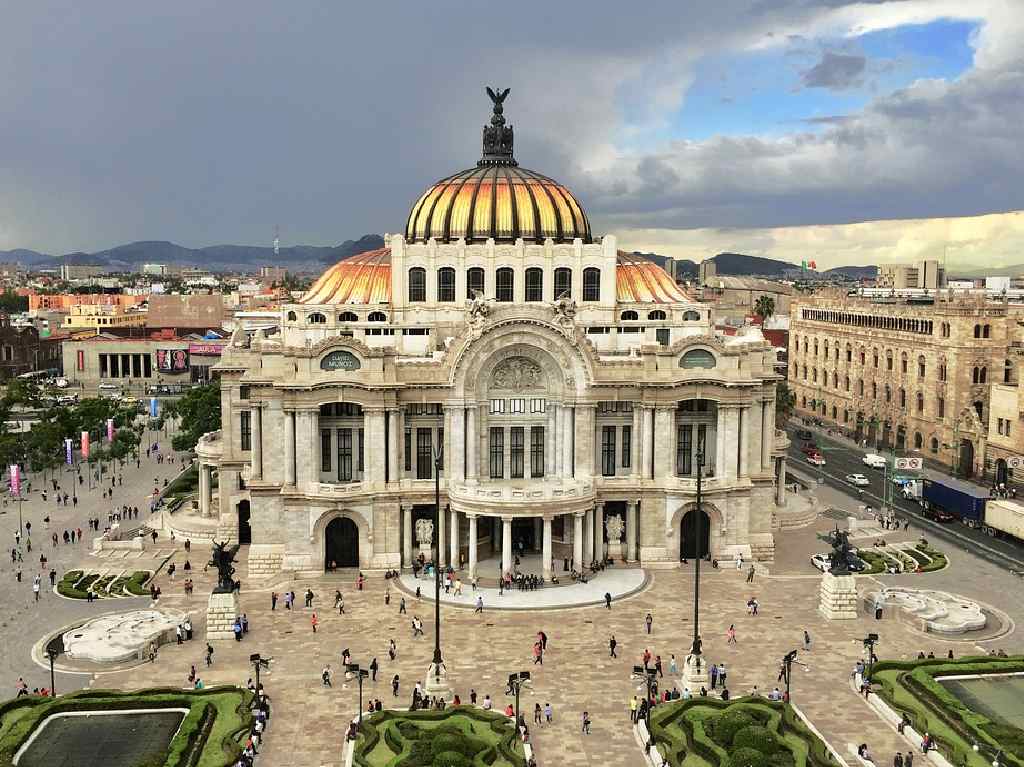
(823, 563)
(858, 479)
(810, 448)
(816, 459)
(936, 514)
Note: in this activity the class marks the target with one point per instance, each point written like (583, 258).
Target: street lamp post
(786, 672)
(52, 654)
(695, 673)
(515, 683)
(435, 675)
(869, 643)
(361, 674)
(258, 662)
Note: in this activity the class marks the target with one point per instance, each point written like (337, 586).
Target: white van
(874, 461)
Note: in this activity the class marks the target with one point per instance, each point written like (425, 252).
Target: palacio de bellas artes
(562, 389)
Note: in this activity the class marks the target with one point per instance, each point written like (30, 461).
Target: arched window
(563, 282)
(376, 317)
(860, 387)
(803, 402)
(986, 331)
(920, 366)
(888, 393)
(935, 445)
(903, 363)
(874, 353)
(903, 398)
(849, 353)
(417, 284)
(940, 407)
(982, 375)
(291, 317)
(888, 360)
(918, 440)
(474, 281)
(1008, 372)
(504, 284)
(591, 284)
(979, 408)
(920, 403)
(835, 413)
(697, 358)
(348, 317)
(977, 331)
(814, 375)
(863, 357)
(657, 314)
(974, 375)
(874, 390)
(815, 347)
(629, 315)
(316, 318)
(534, 284)
(691, 316)
(846, 383)
(445, 284)
(805, 372)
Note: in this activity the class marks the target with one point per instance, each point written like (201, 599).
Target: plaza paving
(482, 649)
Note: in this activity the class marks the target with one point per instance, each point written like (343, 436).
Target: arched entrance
(966, 458)
(341, 544)
(1001, 471)
(244, 528)
(690, 538)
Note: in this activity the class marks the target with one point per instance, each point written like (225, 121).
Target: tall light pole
(52, 654)
(435, 675)
(699, 555)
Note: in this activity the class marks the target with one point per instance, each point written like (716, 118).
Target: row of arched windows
(504, 284)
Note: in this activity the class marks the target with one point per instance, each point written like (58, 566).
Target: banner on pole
(110, 430)
(154, 407)
(85, 445)
(15, 479)
(69, 451)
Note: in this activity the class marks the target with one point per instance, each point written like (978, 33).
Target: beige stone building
(556, 388)
(102, 317)
(928, 275)
(904, 375)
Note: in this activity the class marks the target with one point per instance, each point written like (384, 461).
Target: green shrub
(450, 741)
(757, 738)
(451, 759)
(724, 728)
(747, 757)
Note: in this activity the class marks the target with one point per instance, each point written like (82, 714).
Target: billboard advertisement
(85, 445)
(206, 349)
(110, 430)
(69, 451)
(172, 360)
(15, 479)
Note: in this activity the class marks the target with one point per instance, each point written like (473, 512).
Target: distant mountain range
(310, 258)
(242, 258)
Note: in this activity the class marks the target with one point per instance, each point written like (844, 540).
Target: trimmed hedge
(208, 736)
(933, 708)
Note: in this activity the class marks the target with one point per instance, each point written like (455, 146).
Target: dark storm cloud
(836, 71)
(208, 122)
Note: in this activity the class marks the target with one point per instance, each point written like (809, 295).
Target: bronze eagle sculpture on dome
(498, 97)
(497, 143)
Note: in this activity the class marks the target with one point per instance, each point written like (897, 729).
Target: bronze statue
(223, 558)
(695, 649)
(839, 557)
(498, 138)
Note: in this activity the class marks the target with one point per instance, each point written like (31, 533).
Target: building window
(445, 284)
(80, 360)
(538, 405)
(408, 450)
(376, 317)
(474, 281)
(362, 452)
(417, 284)
(999, 425)
(942, 372)
(563, 283)
(684, 443)
(903, 363)
(903, 398)
(504, 287)
(517, 439)
(245, 429)
(940, 407)
(986, 331)
(497, 452)
(934, 445)
(534, 284)
(591, 284)
(497, 406)
(918, 440)
(662, 335)
(920, 367)
(627, 447)
(658, 314)
(424, 453)
(325, 450)
(348, 317)
(536, 451)
(316, 318)
(103, 364)
(920, 403)
(517, 406)
(608, 451)
(344, 455)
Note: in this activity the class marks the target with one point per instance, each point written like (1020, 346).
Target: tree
(199, 413)
(764, 307)
(785, 401)
(12, 303)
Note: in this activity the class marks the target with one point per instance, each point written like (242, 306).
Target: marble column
(537, 532)
(637, 437)
(646, 455)
(732, 464)
(631, 520)
(205, 495)
(577, 541)
(720, 442)
(566, 411)
(472, 443)
(257, 441)
(407, 552)
(768, 437)
(588, 537)
(289, 447)
(780, 483)
(455, 538)
(550, 446)
(373, 430)
(546, 549)
(455, 436)
(313, 440)
(583, 465)
(599, 532)
(664, 442)
(394, 419)
(506, 545)
(472, 546)
(743, 435)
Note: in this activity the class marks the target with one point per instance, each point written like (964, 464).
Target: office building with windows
(552, 381)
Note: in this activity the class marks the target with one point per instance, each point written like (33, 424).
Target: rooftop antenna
(277, 242)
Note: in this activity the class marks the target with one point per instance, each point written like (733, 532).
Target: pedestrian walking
(479, 604)
(325, 675)
(314, 621)
(549, 712)
(35, 587)
(807, 641)
(672, 667)
(392, 649)
(714, 676)
(374, 666)
(209, 654)
(394, 685)
(611, 647)
(586, 723)
(608, 600)
(730, 634)
(750, 574)
(537, 714)
(401, 607)
(649, 621)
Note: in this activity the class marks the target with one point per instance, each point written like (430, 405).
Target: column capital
(507, 519)
(578, 514)
(599, 506)
(374, 409)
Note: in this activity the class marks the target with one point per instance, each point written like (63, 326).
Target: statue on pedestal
(223, 558)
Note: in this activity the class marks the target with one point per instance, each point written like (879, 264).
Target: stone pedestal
(615, 551)
(437, 683)
(695, 674)
(221, 612)
(427, 552)
(838, 597)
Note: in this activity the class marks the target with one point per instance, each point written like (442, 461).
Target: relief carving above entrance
(517, 374)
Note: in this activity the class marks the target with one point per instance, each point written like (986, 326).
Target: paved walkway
(618, 581)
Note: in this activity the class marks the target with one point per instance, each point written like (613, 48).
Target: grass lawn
(465, 735)
(209, 734)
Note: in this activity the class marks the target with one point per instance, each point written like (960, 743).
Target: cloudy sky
(849, 132)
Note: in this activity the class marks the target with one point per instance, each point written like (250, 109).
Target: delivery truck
(946, 499)
(1004, 518)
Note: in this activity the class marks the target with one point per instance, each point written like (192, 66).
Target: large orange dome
(497, 199)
